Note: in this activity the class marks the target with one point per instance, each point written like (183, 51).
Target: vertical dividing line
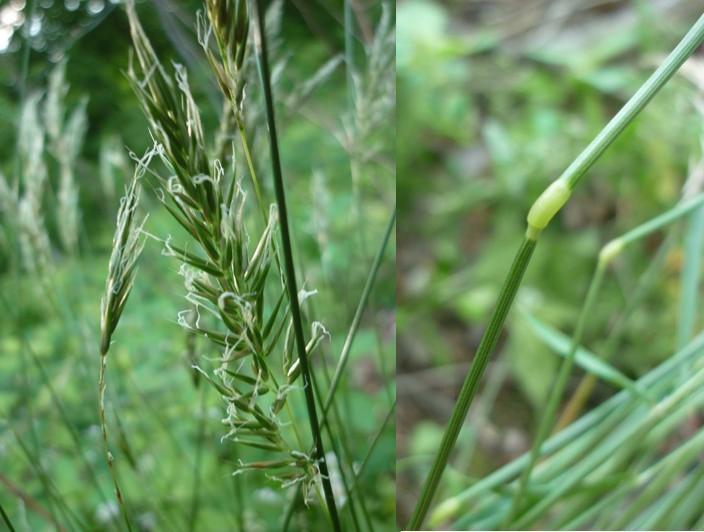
(262, 61)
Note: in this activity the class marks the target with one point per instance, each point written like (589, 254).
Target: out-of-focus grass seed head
(127, 246)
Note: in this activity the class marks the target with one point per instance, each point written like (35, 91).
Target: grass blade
(583, 358)
(689, 282)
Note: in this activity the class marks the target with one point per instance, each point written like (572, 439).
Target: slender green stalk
(341, 451)
(471, 383)
(359, 312)
(6, 519)
(539, 216)
(692, 485)
(548, 418)
(252, 171)
(689, 283)
(195, 497)
(263, 63)
(349, 341)
(686, 47)
(620, 447)
(106, 445)
(655, 380)
(662, 474)
(372, 446)
(607, 254)
(580, 396)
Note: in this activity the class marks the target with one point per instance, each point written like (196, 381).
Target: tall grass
(242, 295)
(540, 215)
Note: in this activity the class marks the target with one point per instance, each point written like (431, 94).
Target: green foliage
(166, 423)
(535, 96)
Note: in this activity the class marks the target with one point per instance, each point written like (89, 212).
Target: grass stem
(686, 47)
(263, 63)
(471, 383)
(543, 210)
(6, 519)
(104, 431)
(548, 418)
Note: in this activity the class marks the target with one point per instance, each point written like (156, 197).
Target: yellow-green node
(444, 511)
(610, 250)
(546, 206)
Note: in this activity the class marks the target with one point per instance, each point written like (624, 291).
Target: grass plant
(205, 425)
(539, 216)
(243, 299)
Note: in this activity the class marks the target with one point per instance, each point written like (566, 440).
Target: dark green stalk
(471, 383)
(263, 63)
(6, 519)
(349, 340)
(344, 457)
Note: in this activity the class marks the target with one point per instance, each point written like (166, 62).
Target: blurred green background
(495, 99)
(164, 428)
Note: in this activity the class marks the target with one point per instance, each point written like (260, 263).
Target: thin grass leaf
(589, 362)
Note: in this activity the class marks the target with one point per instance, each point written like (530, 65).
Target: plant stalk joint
(546, 207)
(609, 252)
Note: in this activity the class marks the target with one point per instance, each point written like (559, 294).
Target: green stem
(622, 447)
(343, 455)
(608, 253)
(372, 446)
(689, 43)
(349, 340)
(252, 172)
(469, 388)
(543, 210)
(106, 444)
(6, 519)
(263, 63)
(547, 421)
(359, 312)
(689, 282)
(195, 496)
(656, 381)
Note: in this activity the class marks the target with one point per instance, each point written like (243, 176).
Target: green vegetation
(208, 406)
(590, 474)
